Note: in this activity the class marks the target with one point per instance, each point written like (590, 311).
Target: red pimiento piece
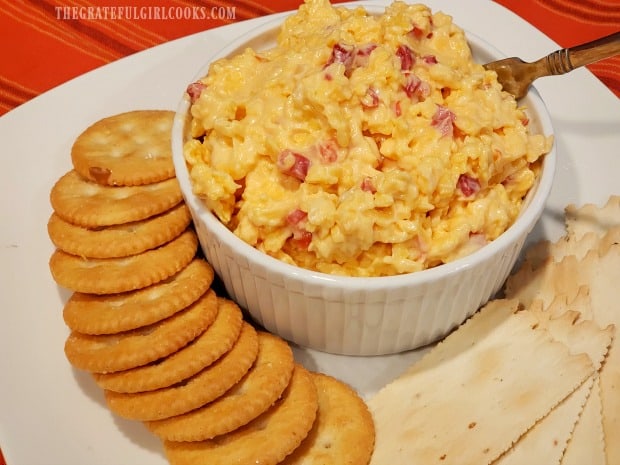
(430, 59)
(293, 164)
(328, 151)
(362, 55)
(351, 57)
(397, 109)
(443, 121)
(417, 32)
(295, 220)
(477, 240)
(368, 185)
(407, 58)
(194, 90)
(302, 238)
(296, 216)
(411, 85)
(415, 87)
(341, 53)
(468, 185)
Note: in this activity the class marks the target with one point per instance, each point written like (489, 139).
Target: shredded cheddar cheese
(361, 144)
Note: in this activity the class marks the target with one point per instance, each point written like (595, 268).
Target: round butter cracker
(267, 440)
(127, 149)
(116, 275)
(216, 340)
(204, 387)
(343, 432)
(90, 205)
(119, 240)
(116, 352)
(115, 313)
(250, 397)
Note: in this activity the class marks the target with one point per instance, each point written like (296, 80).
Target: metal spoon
(516, 75)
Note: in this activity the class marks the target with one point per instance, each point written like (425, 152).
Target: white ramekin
(360, 316)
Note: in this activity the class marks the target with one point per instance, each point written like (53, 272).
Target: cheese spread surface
(361, 144)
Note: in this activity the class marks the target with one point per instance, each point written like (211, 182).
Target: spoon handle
(567, 59)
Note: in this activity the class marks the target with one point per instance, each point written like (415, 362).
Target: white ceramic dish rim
(587, 140)
(527, 218)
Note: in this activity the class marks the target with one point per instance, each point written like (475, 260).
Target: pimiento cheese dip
(360, 144)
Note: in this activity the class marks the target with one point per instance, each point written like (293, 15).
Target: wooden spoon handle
(567, 59)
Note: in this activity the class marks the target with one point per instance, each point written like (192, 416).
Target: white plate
(53, 414)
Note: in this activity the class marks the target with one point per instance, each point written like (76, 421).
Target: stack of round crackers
(146, 322)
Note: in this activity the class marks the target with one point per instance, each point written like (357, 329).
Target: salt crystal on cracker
(472, 396)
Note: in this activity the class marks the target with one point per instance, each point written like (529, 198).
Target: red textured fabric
(44, 46)
(46, 43)
(572, 22)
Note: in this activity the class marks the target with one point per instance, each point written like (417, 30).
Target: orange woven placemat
(48, 43)
(572, 22)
